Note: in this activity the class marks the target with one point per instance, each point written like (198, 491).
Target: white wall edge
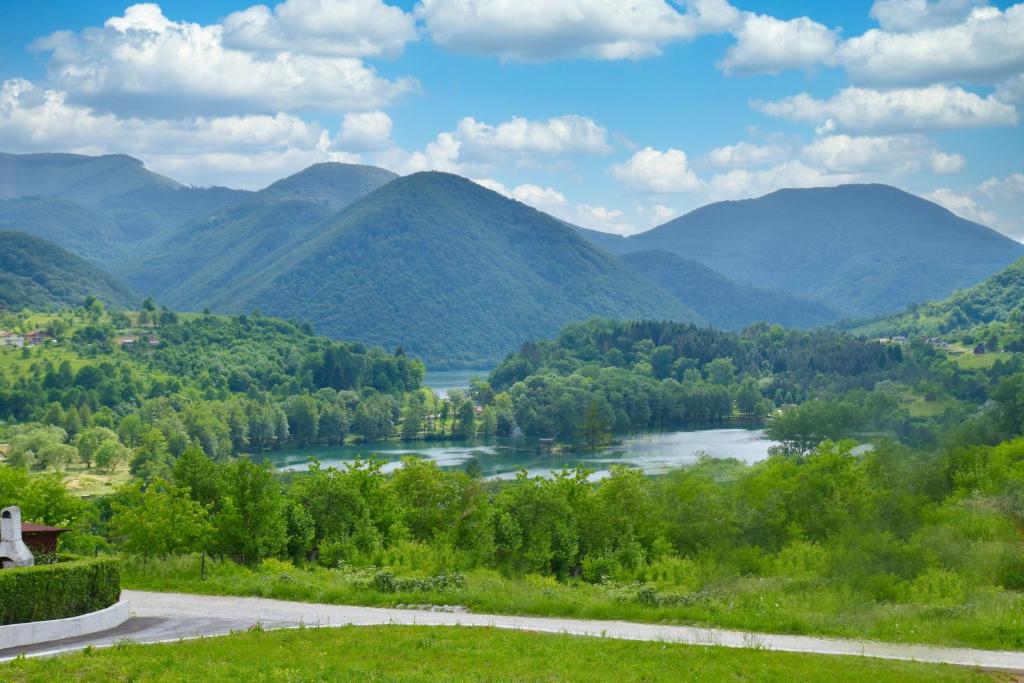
(35, 632)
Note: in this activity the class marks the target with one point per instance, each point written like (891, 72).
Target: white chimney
(13, 551)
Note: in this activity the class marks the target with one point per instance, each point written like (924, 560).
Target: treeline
(227, 385)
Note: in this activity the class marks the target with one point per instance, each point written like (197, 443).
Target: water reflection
(654, 453)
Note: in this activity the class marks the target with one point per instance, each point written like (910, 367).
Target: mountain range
(460, 275)
(36, 273)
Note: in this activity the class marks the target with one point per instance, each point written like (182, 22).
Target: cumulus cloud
(914, 15)
(861, 110)
(654, 171)
(604, 219)
(144, 63)
(962, 205)
(340, 28)
(766, 45)
(942, 163)
(1011, 90)
(365, 130)
(745, 154)
(474, 147)
(534, 30)
(1009, 186)
(546, 199)
(741, 183)
(242, 151)
(984, 48)
(866, 154)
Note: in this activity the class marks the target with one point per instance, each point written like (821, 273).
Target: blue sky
(613, 114)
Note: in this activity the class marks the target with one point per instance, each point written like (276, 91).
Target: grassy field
(969, 361)
(992, 620)
(410, 653)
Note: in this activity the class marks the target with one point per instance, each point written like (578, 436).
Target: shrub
(58, 591)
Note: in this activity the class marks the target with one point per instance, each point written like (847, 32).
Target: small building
(13, 551)
(11, 339)
(41, 539)
(126, 340)
(36, 337)
(545, 445)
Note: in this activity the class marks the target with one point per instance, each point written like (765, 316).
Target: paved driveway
(161, 617)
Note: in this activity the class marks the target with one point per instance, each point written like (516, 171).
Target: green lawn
(989, 620)
(418, 653)
(969, 361)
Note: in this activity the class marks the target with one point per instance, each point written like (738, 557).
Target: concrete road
(159, 617)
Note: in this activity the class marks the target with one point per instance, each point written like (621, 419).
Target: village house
(11, 339)
(36, 337)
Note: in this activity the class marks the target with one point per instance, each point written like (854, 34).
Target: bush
(58, 591)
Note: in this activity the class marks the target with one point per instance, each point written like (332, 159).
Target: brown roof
(29, 528)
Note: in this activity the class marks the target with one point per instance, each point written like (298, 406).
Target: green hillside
(37, 273)
(723, 302)
(861, 249)
(991, 312)
(332, 184)
(448, 270)
(206, 254)
(77, 228)
(75, 177)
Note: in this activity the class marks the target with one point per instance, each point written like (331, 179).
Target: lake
(654, 453)
(443, 381)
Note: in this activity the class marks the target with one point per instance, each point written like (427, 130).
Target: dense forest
(35, 273)
(866, 505)
(990, 313)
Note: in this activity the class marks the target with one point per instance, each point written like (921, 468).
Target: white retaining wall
(19, 635)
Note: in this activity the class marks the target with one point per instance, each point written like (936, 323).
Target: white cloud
(651, 170)
(475, 147)
(339, 28)
(963, 206)
(766, 45)
(365, 130)
(914, 15)
(942, 163)
(984, 48)
(745, 154)
(1011, 90)
(1009, 186)
(242, 151)
(559, 135)
(741, 183)
(144, 63)
(868, 154)
(861, 110)
(535, 30)
(546, 199)
(603, 219)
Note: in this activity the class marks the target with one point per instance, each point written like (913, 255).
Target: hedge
(58, 591)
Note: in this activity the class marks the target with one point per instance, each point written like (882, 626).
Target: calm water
(443, 381)
(654, 453)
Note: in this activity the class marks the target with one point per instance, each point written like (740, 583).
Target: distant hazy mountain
(37, 273)
(75, 177)
(996, 303)
(861, 249)
(196, 261)
(721, 301)
(333, 185)
(447, 269)
(104, 208)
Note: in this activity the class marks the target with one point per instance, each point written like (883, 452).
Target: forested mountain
(991, 312)
(860, 249)
(333, 185)
(723, 302)
(37, 273)
(75, 177)
(195, 262)
(448, 270)
(103, 208)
